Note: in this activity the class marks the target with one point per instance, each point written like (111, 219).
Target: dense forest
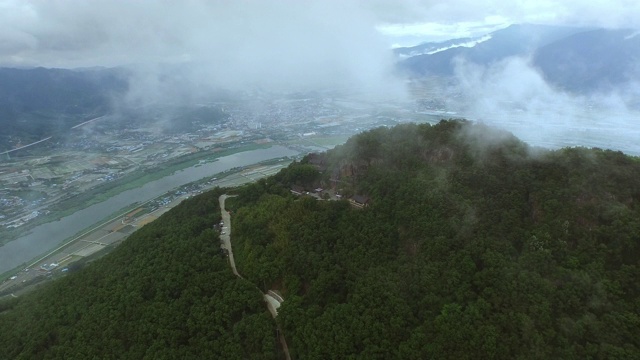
(460, 242)
(165, 293)
(473, 246)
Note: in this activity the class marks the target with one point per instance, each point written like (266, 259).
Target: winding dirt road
(225, 234)
(271, 298)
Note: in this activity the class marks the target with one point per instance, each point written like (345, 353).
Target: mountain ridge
(581, 60)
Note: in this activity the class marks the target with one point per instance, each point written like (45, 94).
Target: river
(46, 237)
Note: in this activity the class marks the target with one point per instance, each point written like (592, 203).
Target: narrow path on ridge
(271, 298)
(225, 234)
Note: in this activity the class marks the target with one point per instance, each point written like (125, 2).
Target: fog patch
(178, 50)
(513, 95)
(487, 144)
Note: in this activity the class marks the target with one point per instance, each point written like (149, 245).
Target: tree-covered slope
(473, 246)
(165, 293)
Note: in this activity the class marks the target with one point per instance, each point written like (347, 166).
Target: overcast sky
(69, 33)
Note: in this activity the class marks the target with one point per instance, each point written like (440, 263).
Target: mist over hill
(552, 86)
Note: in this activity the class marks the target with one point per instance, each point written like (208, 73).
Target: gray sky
(412, 21)
(69, 33)
(315, 44)
(567, 12)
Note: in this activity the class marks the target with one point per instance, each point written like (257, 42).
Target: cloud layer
(409, 22)
(71, 33)
(276, 44)
(605, 13)
(513, 95)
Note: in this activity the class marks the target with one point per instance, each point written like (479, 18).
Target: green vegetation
(473, 246)
(29, 195)
(164, 293)
(130, 181)
(321, 140)
(139, 178)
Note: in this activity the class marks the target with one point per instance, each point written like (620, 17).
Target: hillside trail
(271, 298)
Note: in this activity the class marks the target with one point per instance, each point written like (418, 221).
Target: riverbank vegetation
(464, 243)
(132, 180)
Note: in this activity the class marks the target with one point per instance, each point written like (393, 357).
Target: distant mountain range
(40, 102)
(598, 59)
(59, 90)
(580, 60)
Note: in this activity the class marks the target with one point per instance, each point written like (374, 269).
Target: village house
(359, 201)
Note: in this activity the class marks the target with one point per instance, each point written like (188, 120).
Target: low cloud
(609, 13)
(276, 45)
(513, 95)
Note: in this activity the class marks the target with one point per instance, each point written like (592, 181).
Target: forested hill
(472, 246)
(460, 242)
